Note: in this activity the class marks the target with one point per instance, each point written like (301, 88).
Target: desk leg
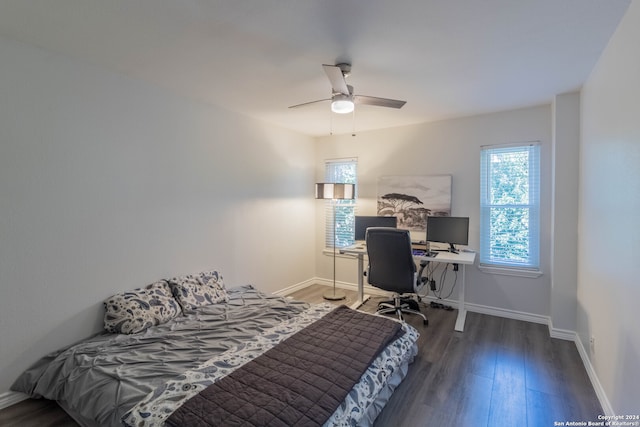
(462, 311)
(361, 296)
(360, 279)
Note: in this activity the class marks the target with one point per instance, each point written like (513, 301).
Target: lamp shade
(335, 190)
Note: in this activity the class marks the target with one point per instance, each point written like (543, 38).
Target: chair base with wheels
(400, 305)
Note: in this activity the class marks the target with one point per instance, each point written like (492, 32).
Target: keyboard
(421, 252)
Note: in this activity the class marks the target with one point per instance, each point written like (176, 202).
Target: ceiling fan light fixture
(342, 104)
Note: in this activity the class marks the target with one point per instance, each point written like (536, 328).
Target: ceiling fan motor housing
(345, 68)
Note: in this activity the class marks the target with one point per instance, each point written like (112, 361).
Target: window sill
(509, 271)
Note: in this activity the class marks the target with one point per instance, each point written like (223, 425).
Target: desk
(462, 259)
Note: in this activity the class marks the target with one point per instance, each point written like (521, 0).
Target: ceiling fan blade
(309, 103)
(380, 102)
(338, 83)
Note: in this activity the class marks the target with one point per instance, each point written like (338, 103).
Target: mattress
(140, 379)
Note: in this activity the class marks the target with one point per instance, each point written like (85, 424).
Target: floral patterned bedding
(139, 379)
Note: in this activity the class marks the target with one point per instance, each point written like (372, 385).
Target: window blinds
(510, 205)
(343, 171)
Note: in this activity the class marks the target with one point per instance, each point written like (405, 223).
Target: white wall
(609, 243)
(107, 184)
(564, 250)
(449, 147)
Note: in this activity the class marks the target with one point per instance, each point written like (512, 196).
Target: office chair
(392, 268)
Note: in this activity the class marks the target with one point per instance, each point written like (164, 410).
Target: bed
(155, 371)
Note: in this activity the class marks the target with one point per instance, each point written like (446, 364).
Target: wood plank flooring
(35, 413)
(498, 372)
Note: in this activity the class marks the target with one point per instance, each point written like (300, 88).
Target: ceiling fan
(342, 98)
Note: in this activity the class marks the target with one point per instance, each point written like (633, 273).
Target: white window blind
(510, 205)
(341, 171)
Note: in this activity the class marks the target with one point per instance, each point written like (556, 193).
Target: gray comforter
(102, 378)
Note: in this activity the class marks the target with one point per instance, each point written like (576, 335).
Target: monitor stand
(453, 249)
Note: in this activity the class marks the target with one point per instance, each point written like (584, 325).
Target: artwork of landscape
(412, 198)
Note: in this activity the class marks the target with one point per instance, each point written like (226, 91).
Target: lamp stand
(334, 295)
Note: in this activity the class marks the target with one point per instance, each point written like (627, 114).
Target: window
(340, 170)
(510, 206)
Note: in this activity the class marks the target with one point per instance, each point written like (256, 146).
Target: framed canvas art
(412, 198)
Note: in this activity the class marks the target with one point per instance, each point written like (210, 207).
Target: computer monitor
(448, 229)
(364, 222)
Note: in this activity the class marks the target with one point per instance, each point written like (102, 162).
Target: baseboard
(11, 398)
(291, 289)
(595, 382)
(509, 314)
(370, 290)
(563, 334)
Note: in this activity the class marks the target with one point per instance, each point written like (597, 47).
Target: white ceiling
(446, 58)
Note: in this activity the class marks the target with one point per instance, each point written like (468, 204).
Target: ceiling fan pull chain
(353, 123)
(330, 122)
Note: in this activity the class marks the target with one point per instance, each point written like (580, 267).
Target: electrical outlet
(592, 343)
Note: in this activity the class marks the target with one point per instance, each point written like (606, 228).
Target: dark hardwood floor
(498, 372)
(35, 413)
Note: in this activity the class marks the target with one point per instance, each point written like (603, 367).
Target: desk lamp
(334, 191)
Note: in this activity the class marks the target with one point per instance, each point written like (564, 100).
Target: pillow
(134, 311)
(196, 290)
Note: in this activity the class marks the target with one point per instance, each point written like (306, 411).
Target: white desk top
(443, 256)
